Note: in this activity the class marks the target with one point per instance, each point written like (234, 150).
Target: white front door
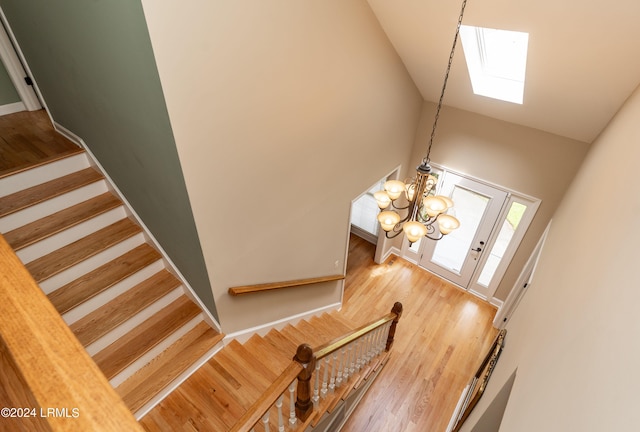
(478, 208)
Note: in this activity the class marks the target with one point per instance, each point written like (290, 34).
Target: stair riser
(155, 351)
(90, 264)
(133, 322)
(100, 299)
(42, 174)
(70, 235)
(54, 205)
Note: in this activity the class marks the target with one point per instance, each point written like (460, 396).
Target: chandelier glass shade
(417, 195)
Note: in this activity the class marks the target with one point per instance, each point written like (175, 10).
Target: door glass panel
(509, 227)
(452, 250)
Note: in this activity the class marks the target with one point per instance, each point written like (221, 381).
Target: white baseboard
(392, 251)
(244, 335)
(12, 108)
(496, 302)
(189, 292)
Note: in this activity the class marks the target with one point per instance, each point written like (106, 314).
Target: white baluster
(316, 390)
(339, 377)
(380, 343)
(292, 404)
(332, 383)
(279, 407)
(359, 346)
(372, 348)
(367, 349)
(325, 377)
(354, 360)
(265, 421)
(348, 366)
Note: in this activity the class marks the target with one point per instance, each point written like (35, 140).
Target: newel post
(397, 309)
(304, 356)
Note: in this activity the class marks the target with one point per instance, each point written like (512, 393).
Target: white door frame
(497, 197)
(487, 294)
(523, 283)
(17, 67)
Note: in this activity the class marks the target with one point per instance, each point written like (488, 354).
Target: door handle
(478, 249)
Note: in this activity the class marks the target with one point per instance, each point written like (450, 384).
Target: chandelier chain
(446, 78)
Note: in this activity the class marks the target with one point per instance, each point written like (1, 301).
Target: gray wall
(8, 93)
(94, 64)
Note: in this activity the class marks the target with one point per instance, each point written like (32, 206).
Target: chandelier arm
(434, 238)
(400, 208)
(393, 233)
(444, 84)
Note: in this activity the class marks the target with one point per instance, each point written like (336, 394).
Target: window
(509, 227)
(497, 61)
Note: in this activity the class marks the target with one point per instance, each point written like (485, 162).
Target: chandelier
(425, 211)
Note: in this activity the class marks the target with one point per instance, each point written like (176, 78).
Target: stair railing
(316, 374)
(49, 379)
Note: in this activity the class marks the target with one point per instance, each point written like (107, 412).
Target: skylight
(497, 61)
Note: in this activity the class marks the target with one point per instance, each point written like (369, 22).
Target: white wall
(280, 110)
(574, 338)
(527, 160)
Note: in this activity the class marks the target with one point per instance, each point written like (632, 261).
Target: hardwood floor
(441, 339)
(27, 138)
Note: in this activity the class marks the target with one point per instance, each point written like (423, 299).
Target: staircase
(336, 396)
(103, 274)
(253, 387)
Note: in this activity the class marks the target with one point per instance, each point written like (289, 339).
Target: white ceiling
(583, 60)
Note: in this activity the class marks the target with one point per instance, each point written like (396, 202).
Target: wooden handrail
(328, 348)
(303, 366)
(247, 289)
(48, 369)
(268, 398)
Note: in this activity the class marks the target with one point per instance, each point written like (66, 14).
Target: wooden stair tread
(342, 319)
(219, 396)
(314, 334)
(281, 342)
(67, 256)
(42, 161)
(244, 372)
(331, 323)
(295, 335)
(120, 354)
(102, 320)
(42, 192)
(236, 391)
(275, 359)
(247, 360)
(80, 290)
(38, 230)
(152, 378)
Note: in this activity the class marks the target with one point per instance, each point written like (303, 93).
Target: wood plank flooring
(441, 338)
(27, 138)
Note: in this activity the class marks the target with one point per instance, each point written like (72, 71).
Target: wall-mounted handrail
(247, 289)
(308, 360)
(47, 368)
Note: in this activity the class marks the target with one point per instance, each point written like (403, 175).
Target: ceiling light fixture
(423, 208)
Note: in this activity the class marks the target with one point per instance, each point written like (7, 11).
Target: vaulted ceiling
(583, 60)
